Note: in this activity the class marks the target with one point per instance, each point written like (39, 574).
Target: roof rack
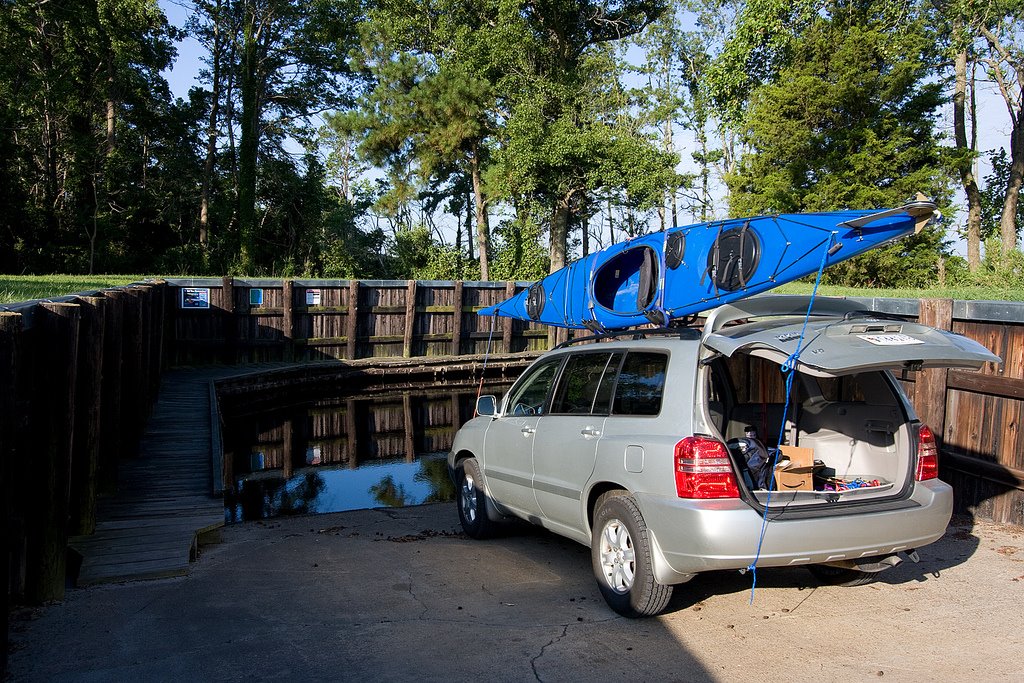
(680, 332)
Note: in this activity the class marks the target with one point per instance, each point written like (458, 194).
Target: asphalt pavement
(402, 594)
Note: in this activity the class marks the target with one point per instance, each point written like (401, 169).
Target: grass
(15, 288)
(962, 293)
(25, 287)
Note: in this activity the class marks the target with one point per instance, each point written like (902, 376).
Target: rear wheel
(840, 576)
(620, 552)
(472, 501)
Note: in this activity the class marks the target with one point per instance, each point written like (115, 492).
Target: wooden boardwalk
(165, 500)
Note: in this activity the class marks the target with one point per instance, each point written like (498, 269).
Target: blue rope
(787, 369)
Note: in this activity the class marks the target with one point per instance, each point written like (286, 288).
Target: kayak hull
(664, 276)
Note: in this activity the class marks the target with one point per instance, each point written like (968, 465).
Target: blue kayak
(659, 277)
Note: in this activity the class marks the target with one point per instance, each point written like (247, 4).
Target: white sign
(312, 297)
(890, 339)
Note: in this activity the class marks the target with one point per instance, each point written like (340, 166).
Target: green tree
(661, 100)
(849, 123)
(993, 197)
(561, 140)
(432, 104)
(291, 61)
(83, 101)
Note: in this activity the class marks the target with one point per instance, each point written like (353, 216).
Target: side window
(579, 382)
(640, 385)
(528, 396)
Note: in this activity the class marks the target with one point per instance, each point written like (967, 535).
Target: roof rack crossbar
(633, 333)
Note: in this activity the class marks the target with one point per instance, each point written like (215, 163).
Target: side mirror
(486, 405)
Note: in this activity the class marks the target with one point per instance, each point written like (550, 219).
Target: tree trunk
(248, 145)
(211, 133)
(1008, 219)
(966, 163)
(111, 105)
(482, 227)
(585, 230)
(559, 231)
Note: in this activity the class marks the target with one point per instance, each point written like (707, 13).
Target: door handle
(590, 432)
(526, 431)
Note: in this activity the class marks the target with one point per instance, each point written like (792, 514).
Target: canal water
(330, 454)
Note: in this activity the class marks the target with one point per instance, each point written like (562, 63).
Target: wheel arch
(494, 512)
(596, 491)
(664, 573)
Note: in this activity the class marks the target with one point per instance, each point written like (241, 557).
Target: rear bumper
(695, 536)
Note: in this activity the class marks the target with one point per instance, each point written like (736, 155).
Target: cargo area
(842, 438)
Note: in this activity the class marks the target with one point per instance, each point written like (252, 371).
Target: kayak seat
(648, 281)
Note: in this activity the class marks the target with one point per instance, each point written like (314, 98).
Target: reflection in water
(342, 453)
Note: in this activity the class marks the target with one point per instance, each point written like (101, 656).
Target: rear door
(834, 346)
(565, 446)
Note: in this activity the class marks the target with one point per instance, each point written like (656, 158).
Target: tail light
(704, 469)
(927, 455)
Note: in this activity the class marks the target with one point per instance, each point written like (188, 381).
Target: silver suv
(651, 451)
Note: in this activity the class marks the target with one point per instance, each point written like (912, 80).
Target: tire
(620, 552)
(471, 500)
(839, 576)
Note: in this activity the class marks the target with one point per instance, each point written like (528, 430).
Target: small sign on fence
(255, 297)
(195, 297)
(312, 297)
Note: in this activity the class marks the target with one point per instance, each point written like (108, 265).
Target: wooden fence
(78, 375)
(231, 320)
(977, 416)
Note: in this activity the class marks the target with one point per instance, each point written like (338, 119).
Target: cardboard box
(798, 473)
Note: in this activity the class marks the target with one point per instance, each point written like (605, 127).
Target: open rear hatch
(847, 418)
(850, 345)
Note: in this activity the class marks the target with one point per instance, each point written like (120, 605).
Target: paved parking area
(398, 595)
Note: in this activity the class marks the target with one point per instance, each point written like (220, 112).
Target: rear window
(641, 384)
(579, 382)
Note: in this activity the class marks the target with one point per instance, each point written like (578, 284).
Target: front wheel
(472, 500)
(620, 551)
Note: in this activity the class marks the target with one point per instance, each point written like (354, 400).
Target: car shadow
(954, 548)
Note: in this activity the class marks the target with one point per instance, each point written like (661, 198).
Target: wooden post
(506, 323)
(160, 325)
(351, 429)
(88, 411)
(457, 319)
(55, 346)
(410, 318)
(132, 411)
(288, 322)
(288, 447)
(930, 393)
(410, 427)
(110, 413)
(145, 294)
(10, 335)
(229, 324)
(153, 326)
(456, 413)
(352, 321)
